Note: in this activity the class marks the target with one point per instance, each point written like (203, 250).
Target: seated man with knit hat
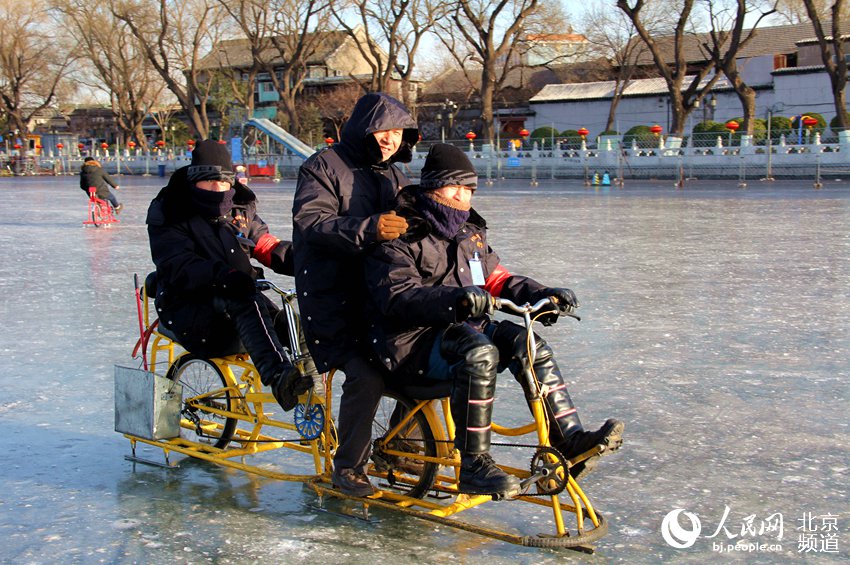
(204, 230)
(431, 292)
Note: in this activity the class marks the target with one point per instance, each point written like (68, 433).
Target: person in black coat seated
(431, 295)
(93, 175)
(203, 230)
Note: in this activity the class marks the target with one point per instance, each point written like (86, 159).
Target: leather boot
(566, 434)
(472, 407)
(307, 365)
(256, 330)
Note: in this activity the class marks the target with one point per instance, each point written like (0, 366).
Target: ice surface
(715, 323)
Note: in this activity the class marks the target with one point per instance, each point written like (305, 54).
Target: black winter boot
(472, 407)
(566, 433)
(256, 330)
(479, 474)
(568, 436)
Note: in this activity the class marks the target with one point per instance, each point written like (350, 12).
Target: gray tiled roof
(236, 53)
(772, 40)
(605, 89)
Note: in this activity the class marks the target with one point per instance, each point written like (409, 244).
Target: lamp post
(732, 126)
(583, 133)
(448, 109)
(656, 130)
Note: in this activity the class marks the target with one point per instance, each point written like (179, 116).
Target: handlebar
(266, 284)
(506, 305)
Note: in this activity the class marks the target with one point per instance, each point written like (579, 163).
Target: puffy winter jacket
(341, 192)
(191, 253)
(413, 284)
(94, 175)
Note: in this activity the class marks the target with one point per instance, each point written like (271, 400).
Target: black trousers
(361, 394)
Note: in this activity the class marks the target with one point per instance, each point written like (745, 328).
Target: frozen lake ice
(715, 324)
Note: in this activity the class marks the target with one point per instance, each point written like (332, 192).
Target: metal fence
(664, 158)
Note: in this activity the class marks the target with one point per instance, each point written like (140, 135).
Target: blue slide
(282, 136)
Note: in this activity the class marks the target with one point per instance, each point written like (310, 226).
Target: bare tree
(335, 107)
(831, 45)
(611, 33)
(120, 69)
(299, 31)
(487, 33)
(173, 36)
(398, 26)
(795, 12)
(726, 41)
(682, 96)
(255, 21)
(32, 64)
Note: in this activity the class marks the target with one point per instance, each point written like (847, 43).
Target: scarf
(211, 204)
(444, 215)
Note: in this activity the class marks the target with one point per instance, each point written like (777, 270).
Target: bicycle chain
(501, 444)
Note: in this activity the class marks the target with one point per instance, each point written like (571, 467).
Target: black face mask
(211, 204)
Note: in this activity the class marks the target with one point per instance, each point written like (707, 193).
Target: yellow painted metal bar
(216, 458)
(518, 431)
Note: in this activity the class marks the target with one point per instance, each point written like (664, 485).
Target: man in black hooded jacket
(341, 210)
(204, 230)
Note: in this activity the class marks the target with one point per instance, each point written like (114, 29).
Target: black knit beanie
(447, 165)
(210, 161)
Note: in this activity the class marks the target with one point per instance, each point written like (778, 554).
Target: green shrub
(641, 136)
(543, 136)
(570, 138)
(833, 123)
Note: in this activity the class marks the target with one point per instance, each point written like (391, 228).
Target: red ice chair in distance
(100, 211)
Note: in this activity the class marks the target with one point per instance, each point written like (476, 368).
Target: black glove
(472, 302)
(564, 298)
(237, 285)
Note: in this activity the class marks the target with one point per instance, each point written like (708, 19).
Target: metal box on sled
(146, 405)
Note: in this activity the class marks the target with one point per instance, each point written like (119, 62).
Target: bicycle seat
(150, 284)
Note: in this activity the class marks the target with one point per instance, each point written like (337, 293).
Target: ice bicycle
(225, 416)
(100, 212)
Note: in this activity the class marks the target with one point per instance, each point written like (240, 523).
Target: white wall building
(782, 88)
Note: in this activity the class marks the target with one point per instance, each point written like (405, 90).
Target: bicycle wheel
(201, 377)
(407, 474)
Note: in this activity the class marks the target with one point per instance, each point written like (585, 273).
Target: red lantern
(523, 133)
(38, 146)
(471, 135)
(329, 140)
(104, 145)
(656, 129)
(17, 146)
(809, 121)
(160, 143)
(258, 143)
(131, 144)
(80, 146)
(59, 146)
(222, 142)
(583, 132)
(190, 143)
(732, 126)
